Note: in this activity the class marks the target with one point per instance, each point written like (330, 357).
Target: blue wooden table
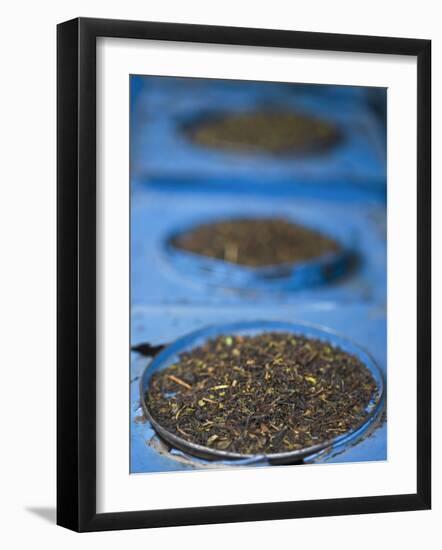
(174, 184)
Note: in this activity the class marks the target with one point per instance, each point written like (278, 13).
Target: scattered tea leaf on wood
(275, 132)
(264, 394)
(256, 242)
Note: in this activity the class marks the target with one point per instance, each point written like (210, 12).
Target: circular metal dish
(171, 353)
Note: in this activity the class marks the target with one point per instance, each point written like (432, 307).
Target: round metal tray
(171, 353)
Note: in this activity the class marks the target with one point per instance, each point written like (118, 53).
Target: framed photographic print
(243, 274)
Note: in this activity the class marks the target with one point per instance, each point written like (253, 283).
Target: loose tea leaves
(263, 394)
(255, 242)
(274, 132)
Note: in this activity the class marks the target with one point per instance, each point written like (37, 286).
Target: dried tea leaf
(288, 393)
(259, 242)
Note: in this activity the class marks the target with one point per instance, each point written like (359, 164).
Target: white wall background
(27, 289)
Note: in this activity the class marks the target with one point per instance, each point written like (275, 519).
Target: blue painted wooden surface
(174, 183)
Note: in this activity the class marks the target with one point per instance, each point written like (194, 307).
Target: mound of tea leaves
(274, 132)
(255, 242)
(263, 394)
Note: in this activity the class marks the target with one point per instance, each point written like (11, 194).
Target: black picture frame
(77, 287)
